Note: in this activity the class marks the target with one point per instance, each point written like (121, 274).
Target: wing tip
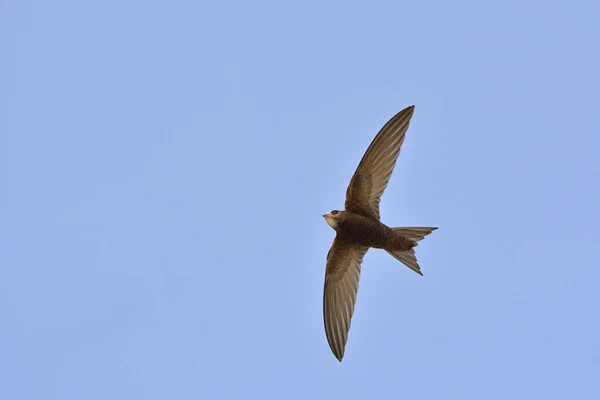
(407, 112)
(338, 353)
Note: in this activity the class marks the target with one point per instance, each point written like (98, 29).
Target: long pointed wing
(376, 167)
(339, 296)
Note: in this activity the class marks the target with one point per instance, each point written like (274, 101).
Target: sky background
(165, 165)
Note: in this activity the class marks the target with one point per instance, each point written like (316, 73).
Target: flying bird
(359, 228)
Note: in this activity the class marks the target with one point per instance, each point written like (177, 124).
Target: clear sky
(165, 166)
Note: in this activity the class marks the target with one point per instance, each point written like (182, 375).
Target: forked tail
(408, 257)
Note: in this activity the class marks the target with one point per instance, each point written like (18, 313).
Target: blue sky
(165, 166)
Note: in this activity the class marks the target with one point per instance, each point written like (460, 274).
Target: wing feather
(377, 165)
(339, 296)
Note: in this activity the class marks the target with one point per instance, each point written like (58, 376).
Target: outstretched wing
(339, 296)
(376, 167)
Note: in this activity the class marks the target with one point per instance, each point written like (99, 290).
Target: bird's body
(356, 228)
(359, 228)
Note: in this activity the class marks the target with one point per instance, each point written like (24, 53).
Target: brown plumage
(358, 228)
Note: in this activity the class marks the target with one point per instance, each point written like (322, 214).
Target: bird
(358, 228)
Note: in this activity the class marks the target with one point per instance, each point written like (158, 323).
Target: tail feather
(414, 233)
(408, 257)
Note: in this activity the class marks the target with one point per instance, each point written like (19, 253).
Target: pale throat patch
(331, 221)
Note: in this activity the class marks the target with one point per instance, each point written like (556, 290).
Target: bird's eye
(334, 212)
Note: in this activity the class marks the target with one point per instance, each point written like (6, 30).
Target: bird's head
(333, 217)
